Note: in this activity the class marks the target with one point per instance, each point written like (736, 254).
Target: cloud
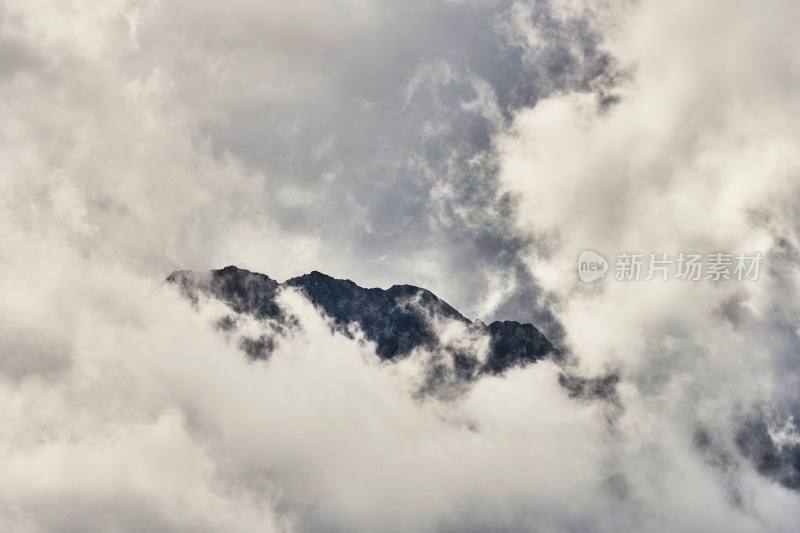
(698, 154)
(470, 147)
(386, 155)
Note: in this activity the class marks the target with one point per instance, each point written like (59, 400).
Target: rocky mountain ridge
(398, 320)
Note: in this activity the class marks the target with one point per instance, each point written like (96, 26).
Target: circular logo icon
(591, 266)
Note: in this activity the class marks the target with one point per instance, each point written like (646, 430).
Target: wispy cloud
(473, 148)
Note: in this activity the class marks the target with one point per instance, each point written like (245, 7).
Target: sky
(473, 148)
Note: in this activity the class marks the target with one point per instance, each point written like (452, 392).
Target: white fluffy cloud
(141, 137)
(700, 154)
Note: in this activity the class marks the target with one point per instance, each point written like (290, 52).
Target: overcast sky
(470, 147)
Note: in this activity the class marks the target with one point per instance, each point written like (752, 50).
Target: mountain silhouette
(398, 320)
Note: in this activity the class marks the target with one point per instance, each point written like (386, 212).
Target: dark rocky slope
(398, 320)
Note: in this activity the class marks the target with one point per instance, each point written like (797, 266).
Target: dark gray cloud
(379, 140)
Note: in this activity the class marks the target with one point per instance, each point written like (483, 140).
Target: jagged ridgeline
(397, 320)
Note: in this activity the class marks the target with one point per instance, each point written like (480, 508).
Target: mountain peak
(398, 320)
